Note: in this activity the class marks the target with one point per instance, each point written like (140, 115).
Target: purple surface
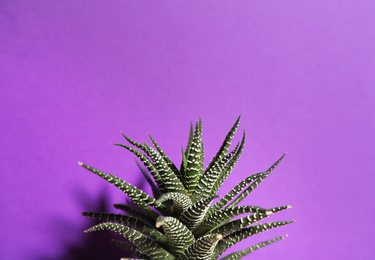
(74, 74)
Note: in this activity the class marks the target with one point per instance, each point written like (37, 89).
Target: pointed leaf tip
(80, 164)
(289, 206)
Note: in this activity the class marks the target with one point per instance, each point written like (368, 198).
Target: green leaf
(186, 153)
(136, 213)
(194, 160)
(155, 190)
(238, 255)
(183, 166)
(139, 145)
(136, 195)
(203, 188)
(202, 249)
(244, 233)
(148, 164)
(165, 173)
(170, 164)
(130, 248)
(190, 141)
(132, 223)
(278, 209)
(179, 237)
(229, 156)
(133, 258)
(255, 184)
(146, 245)
(193, 216)
(231, 194)
(181, 202)
(228, 168)
(242, 223)
(171, 181)
(222, 216)
(237, 224)
(225, 146)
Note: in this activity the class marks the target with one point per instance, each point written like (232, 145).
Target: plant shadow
(92, 245)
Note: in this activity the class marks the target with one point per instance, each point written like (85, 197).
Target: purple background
(74, 74)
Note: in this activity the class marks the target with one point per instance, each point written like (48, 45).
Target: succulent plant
(178, 221)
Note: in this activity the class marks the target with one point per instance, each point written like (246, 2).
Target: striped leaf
(194, 160)
(242, 234)
(132, 223)
(242, 223)
(280, 208)
(195, 213)
(135, 212)
(183, 166)
(145, 244)
(136, 195)
(166, 169)
(186, 153)
(170, 164)
(190, 141)
(229, 156)
(231, 194)
(246, 221)
(222, 216)
(154, 188)
(130, 248)
(228, 168)
(139, 145)
(179, 237)
(202, 249)
(181, 202)
(225, 146)
(238, 255)
(204, 186)
(255, 184)
(133, 258)
(148, 164)
(171, 182)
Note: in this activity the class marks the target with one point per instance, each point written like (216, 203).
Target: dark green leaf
(181, 202)
(130, 248)
(255, 184)
(204, 187)
(179, 237)
(167, 160)
(146, 245)
(196, 212)
(231, 194)
(222, 216)
(238, 255)
(132, 223)
(202, 249)
(136, 195)
(194, 158)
